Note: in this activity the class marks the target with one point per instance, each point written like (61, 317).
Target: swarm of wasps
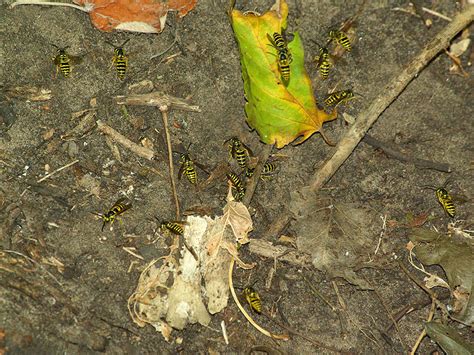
(241, 153)
(65, 61)
(324, 63)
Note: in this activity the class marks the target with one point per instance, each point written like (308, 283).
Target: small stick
(58, 170)
(432, 12)
(157, 99)
(131, 251)
(387, 95)
(430, 292)
(164, 115)
(419, 11)
(312, 341)
(252, 184)
(224, 332)
(127, 143)
(170, 46)
(318, 294)
(48, 3)
(419, 163)
(278, 225)
(389, 314)
(423, 333)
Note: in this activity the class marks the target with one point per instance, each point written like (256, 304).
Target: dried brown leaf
(237, 216)
(458, 48)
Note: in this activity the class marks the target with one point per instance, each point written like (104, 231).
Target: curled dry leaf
(146, 16)
(172, 294)
(458, 48)
(434, 281)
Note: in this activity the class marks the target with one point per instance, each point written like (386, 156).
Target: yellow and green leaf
(280, 112)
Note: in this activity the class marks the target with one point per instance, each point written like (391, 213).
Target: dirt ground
(52, 220)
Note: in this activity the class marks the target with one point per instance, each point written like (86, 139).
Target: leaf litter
(336, 235)
(454, 254)
(170, 291)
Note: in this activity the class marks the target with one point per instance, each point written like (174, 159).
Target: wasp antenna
(110, 43)
(429, 187)
(103, 226)
(124, 43)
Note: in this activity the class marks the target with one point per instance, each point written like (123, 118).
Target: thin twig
(164, 114)
(319, 295)
(423, 333)
(295, 332)
(167, 49)
(379, 296)
(157, 99)
(58, 170)
(430, 292)
(278, 225)
(127, 143)
(244, 312)
(419, 11)
(252, 184)
(434, 13)
(48, 3)
(387, 95)
(392, 152)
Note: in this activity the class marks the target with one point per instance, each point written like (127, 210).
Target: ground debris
(170, 291)
(28, 93)
(336, 235)
(454, 255)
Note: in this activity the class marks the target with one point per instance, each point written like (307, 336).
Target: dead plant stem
(164, 116)
(252, 184)
(387, 95)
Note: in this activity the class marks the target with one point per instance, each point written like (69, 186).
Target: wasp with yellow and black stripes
(117, 209)
(120, 59)
(444, 198)
(239, 151)
(323, 62)
(238, 188)
(253, 299)
(283, 55)
(188, 166)
(341, 38)
(338, 97)
(269, 168)
(174, 227)
(62, 61)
